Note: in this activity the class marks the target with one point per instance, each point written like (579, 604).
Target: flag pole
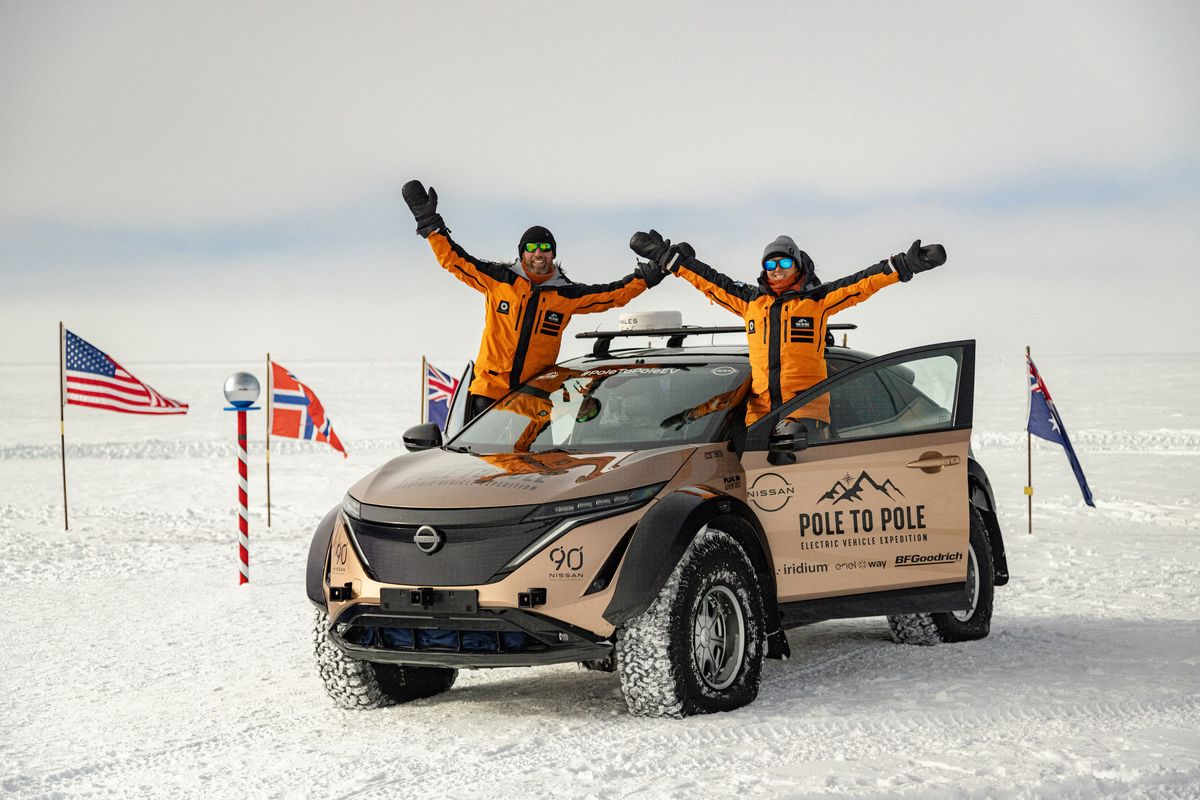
(268, 440)
(62, 423)
(1028, 450)
(424, 371)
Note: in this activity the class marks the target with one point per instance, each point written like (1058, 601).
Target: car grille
(443, 640)
(471, 554)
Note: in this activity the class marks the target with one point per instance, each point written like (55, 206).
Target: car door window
(887, 396)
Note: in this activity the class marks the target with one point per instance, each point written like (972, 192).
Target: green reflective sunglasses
(533, 247)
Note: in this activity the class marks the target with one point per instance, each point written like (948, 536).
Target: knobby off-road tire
(956, 626)
(682, 655)
(363, 684)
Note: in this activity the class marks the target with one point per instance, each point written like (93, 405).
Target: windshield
(615, 407)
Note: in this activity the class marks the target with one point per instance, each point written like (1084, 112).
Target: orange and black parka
(524, 321)
(786, 332)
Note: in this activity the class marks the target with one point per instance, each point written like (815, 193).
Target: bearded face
(538, 265)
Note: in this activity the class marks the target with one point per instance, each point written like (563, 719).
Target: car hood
(445, 479)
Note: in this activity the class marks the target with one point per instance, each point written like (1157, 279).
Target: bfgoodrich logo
(916, 560)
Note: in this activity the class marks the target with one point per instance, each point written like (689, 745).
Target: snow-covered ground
(135, 666)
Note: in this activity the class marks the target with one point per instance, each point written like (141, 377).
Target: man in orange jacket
(787, 312)
(529, 303)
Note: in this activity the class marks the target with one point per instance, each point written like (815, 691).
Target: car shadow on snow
(843, 663)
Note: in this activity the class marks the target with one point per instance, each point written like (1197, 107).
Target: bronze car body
(470, 556)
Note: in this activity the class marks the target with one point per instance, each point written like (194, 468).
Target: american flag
(296, 413)
(1045, 423)
(95, 380)
(439, 390)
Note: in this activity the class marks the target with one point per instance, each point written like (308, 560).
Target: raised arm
(590, 298)
(480, 275)
(681, 259)
(853, 289)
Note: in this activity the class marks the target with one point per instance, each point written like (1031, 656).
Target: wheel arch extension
(979, 489)
(662, 536)
(318, 557)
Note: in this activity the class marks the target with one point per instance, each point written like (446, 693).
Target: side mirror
(425, 436)
(788, 438)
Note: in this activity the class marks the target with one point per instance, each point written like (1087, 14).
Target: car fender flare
(318, 557)
(663, 535)
(980, 490)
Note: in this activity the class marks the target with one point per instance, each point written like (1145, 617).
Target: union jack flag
(439, 389)
(94, 379)
(1045, 423)
(296, 413)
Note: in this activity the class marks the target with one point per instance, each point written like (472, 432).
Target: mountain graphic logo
(845, 490)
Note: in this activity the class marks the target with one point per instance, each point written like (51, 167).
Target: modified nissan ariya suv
(616, 511)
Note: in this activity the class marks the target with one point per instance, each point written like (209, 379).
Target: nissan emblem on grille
(428, 539)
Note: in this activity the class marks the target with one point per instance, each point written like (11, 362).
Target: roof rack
(677, 335)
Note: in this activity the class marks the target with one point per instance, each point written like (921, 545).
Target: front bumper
(490, 637)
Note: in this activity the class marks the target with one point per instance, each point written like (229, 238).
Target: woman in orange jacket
(529, 303)
(787, 312)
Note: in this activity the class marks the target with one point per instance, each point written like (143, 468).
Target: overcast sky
(202, 181)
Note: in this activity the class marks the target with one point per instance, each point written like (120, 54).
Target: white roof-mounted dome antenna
(650, 320)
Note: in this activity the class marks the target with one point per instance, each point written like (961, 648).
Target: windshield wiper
(463, 449)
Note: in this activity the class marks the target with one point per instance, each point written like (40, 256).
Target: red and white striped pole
(241, 390)
(243, 501)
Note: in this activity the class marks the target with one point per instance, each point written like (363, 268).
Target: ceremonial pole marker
(241, 390)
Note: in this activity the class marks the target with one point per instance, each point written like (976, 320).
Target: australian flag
(439, 389)
(1045, 423)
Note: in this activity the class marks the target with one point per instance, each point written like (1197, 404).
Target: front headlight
(352, 507)
(625, 501)
(577, 512)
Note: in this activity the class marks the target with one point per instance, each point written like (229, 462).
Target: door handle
(932, 462)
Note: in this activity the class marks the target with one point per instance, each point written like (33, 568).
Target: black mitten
(650, 272)
(918, 259)
(650, 246)
(423, 206)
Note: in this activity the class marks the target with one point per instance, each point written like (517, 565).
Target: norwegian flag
(1045, 423)
(439, 389)
(296, 413)
(94, 379)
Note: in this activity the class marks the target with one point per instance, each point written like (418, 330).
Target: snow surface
(135, 666)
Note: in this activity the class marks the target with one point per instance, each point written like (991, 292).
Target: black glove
(918, 259)
(650, 246)
(654, 247)
(424, 207)
(650, 272)
(676, 421)
(677, 254)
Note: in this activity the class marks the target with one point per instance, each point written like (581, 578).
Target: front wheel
(957, 626)
(364, 684)
(699, 647)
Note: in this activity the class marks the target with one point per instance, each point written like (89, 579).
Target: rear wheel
(363, 684)
(957, 626)
(699, 647)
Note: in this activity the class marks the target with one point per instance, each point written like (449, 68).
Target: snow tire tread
(355, 684)
(653, 676)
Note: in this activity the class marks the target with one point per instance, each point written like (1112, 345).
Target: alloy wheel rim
(718, 637)
(972, 586)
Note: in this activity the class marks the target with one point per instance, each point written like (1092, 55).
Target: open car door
(458, 402)
(877, 502)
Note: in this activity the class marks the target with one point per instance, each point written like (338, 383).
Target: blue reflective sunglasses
(778, 263)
